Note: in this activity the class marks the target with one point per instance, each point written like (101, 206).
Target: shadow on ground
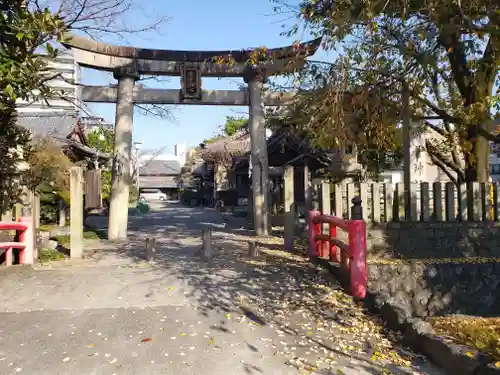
(322, 329)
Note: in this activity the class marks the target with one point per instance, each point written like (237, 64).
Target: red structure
(351, 256)
(24, 229)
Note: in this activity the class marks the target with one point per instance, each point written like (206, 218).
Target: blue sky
(195, 25)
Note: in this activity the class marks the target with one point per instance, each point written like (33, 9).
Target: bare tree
(152, 155)
(155, 110)
(98, 17)
(222, 154)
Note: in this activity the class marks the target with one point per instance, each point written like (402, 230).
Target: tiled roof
(42, 126)
(57, 128)
(160, 167)
(237, 144)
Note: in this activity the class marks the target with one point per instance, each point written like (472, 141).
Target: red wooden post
(357, 245)
(26, 255)
(319, 243)
(333, 248)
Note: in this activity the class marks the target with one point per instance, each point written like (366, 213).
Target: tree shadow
(277, 290)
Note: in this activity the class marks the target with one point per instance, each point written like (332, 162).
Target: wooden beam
(104, 94)
(242, 56)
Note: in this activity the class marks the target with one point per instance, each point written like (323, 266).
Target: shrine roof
(239, 56)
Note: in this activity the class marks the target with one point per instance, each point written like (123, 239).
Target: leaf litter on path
(324, 322)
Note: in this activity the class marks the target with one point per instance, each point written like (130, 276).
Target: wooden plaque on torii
(190, 82)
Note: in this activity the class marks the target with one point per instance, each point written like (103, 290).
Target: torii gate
(128, 63)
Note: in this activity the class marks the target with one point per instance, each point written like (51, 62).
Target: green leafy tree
(48, 175)
(23, 32)
(13, 144)
(21, 76)
(445, 53)
(234, 124)
(230, 128)
(101, 140)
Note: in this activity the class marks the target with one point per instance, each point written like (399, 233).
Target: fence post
(61, 212)
(424, 201)
(206, 236)
(450, 201)
(37, 210)
(339, 212)
(253, 249)
(357, 246)
(76, 207)
(150, 249)
(308, 189)
(289, 208)
(437, 193)
(375, 192)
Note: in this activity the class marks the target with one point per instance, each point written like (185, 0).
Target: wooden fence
(428, 202)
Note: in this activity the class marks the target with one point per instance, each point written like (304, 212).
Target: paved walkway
(113, 313)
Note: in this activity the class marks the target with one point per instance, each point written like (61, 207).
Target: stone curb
(419, 334)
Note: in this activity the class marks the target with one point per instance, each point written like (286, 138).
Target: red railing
(351, 256)
(24, 229)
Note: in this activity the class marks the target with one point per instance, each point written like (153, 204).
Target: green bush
(48, 214)
(48, 203)
(50, 255)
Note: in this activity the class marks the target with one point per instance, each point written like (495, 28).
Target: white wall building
(181, 152)
(66, 74)
(422, 169)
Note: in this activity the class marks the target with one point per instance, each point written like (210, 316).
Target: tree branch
(443, 167)
(439, 111)
(436, 129)
(463, 76)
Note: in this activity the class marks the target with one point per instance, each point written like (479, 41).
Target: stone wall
(431, 289)
(418, 240)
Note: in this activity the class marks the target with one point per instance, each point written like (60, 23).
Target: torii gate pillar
(122, 154)
(255, 78)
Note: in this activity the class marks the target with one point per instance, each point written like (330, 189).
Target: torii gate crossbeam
(104, 94)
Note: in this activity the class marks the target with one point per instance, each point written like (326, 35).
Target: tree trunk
(482, 150)
(477, 159)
